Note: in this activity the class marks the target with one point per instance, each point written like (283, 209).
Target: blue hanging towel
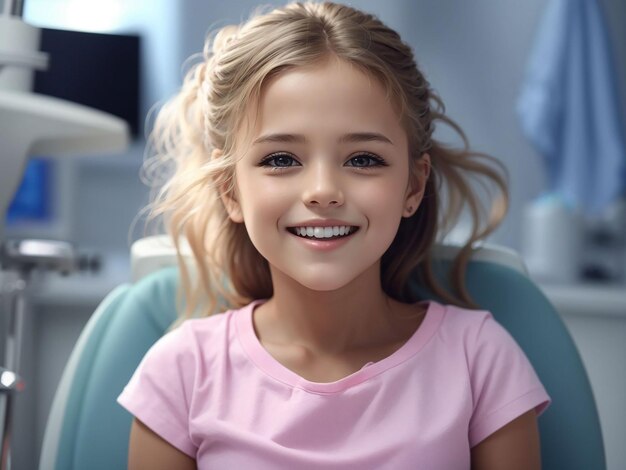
(568, 106)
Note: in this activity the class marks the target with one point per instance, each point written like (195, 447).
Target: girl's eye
(364, 158)
(282, 161)
(362, 161)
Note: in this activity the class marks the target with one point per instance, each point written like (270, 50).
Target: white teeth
(323, 232)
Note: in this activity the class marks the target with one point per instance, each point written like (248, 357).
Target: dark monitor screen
(94, 69)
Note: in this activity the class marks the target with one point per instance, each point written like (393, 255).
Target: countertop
(587, 299)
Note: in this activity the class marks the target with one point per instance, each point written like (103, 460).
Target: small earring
(410, 209)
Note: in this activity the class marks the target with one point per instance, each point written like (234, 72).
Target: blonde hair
(228, 270)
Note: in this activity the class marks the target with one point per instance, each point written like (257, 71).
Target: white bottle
(552, 240)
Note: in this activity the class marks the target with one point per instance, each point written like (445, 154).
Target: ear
(229, 199)
(417, 186)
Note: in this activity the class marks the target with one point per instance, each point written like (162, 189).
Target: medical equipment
(33, 124)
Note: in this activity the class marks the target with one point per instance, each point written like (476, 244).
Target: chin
(323, 286)
(324, 283)
(320, 278)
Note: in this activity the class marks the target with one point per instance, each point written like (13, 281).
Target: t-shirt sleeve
(504, 383)
(159, 392)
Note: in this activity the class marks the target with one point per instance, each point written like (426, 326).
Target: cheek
(267, 197)
(383, 199)
(262, 202)
(383, 206)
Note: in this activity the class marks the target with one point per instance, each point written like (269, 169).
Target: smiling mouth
(321, 235)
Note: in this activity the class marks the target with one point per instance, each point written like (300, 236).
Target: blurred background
(488, 60)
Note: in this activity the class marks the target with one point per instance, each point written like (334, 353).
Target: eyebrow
(347, 138)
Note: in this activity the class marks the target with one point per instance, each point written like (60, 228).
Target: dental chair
(88, 429)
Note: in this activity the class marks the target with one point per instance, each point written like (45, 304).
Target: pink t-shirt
(213, 391)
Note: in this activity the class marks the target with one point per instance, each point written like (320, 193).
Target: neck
(358, 315)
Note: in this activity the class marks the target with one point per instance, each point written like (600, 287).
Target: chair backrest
(88, 429)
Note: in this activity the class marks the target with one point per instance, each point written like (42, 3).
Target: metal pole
(18, 259)
(10, 381)
(16, 326)
(13, 8)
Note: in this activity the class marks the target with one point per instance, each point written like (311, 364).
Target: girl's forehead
(331, 96)
(328, 78)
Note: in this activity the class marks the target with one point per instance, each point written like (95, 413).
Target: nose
(322, 187)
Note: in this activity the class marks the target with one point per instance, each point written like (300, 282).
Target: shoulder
(172, 366)
(183, 347)
(484, 339)
(503, 381)
(467, 326)
(465, 318)
(186, 334)
(496, 363)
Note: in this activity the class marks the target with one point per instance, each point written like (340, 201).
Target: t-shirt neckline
(257, 353)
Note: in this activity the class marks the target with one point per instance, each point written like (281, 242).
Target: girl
(306, 184)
